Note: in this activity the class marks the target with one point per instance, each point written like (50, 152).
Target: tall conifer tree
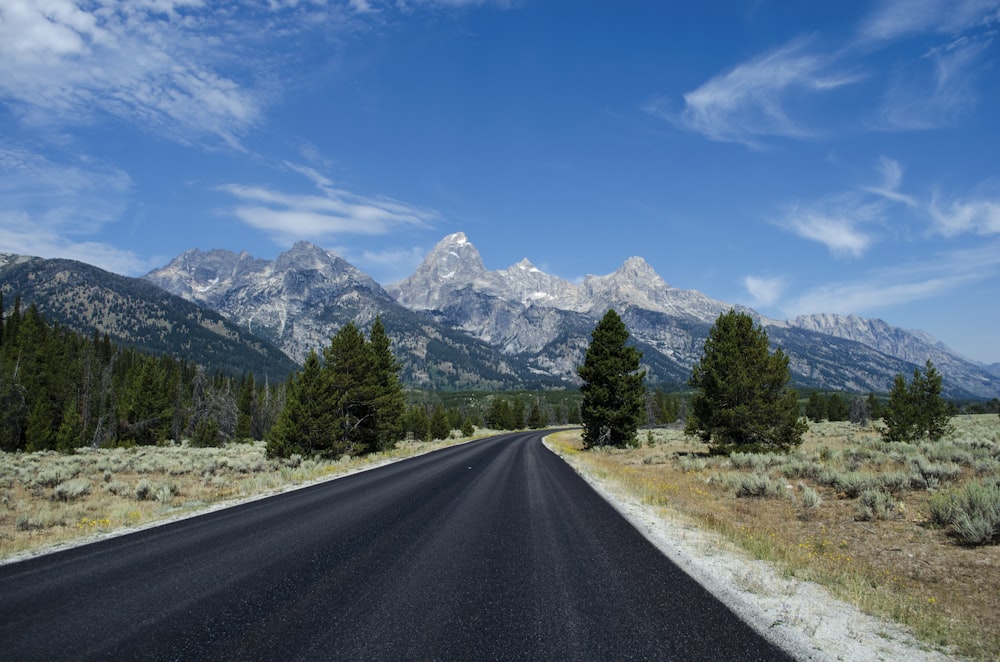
(613, 391)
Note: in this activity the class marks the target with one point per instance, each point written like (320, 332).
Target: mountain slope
(135, 312)
(522, 310)
(300, 300)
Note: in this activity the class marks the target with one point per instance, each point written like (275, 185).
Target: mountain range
(454, 323)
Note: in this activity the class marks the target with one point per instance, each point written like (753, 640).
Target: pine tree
(390, 404)
(916, 411)
(440, 426)
(349, 364)
(246, 402)
(613, 390)
(537, 416)
(743, 401)
(305, 424)
(815, 407)
(836, 408)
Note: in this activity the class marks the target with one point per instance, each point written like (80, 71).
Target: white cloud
(936, 276)
(22, 235)
(765, 291)
(333, 213)
(834, 222)
(892, 179)
(935, 91)
(960, 216)
(157, 64)
(749, 101)
(898, 18)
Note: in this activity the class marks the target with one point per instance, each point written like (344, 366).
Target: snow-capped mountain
(453, 317)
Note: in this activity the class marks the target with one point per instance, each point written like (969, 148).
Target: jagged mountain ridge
(134, 312)
(521, 309)
(300, 299)
(537, 324)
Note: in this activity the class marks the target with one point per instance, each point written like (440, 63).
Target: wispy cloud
(892, 179)
(54, 208)
(903, 284)
(894, 19)
(765, 291)
(749, 102)
(935, 91)
(156, 64)
(980, 216)
(332, 213)
(836, 222)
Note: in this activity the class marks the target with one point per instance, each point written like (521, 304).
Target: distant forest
(62, 390)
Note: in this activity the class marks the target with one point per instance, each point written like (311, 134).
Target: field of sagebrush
(49, 498)
(904, 531)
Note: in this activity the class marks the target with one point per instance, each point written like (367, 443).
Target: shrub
(754, 485)
(73, 488)
(876, 505)
(143, 490)
(971, 513)
(810, 498)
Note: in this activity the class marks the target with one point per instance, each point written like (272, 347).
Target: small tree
(440, 426)
(743, 401)
(613, 392)
(916, 411)
(815, 407)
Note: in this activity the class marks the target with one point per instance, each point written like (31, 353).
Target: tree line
(741, 395)
(61, 390)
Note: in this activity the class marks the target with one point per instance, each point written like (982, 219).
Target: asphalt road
(495, 550)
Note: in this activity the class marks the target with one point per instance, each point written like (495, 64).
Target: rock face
(523, 310)
(300, 300)
(457, 324)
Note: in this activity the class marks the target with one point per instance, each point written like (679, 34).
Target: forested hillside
(134, 312)
(62, 390)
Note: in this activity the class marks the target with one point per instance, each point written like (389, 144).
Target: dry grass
(851, 513)
(48, 498)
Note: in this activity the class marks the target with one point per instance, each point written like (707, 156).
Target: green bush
(73, 488)
(971, 513)
(754, 485)
(876, 505)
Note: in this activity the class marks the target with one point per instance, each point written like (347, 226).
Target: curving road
(495, 550)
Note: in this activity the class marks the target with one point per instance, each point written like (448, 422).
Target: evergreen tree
(815, 407)
(916, 411)
(613, 391)
(874, 406)
(440, 426)
(836, 408)
(390, 405)
(349, 364)
(743, 402)
(246, 402)
(418, 424)
(306, 422)
(537, 417)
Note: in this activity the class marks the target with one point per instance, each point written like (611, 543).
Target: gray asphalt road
(495, 550)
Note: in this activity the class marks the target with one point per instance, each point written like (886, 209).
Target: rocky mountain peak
(453, 263)
(453, 258)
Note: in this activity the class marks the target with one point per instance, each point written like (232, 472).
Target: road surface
(494, 550)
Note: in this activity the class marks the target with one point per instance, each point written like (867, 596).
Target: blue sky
(794, 156)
